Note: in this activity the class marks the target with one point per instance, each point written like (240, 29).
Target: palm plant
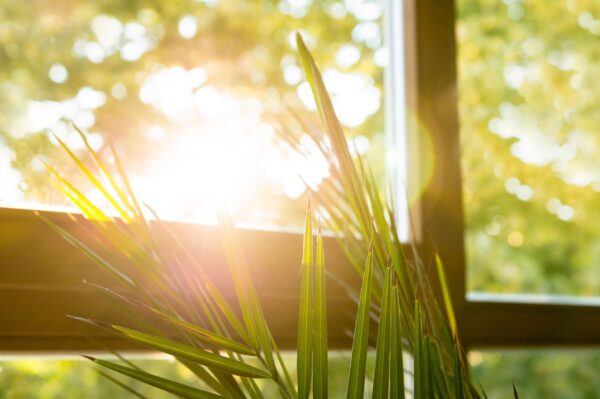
(175, 308)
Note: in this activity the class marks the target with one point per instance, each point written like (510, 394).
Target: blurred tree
(185, 89)
(531, 164)
(528, 105)
(50, 379)
(551, 374)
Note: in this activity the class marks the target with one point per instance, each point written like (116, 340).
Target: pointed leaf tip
(299, 40)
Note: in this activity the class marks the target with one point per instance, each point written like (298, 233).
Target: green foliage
(203, 331)
(164, 384)
(49, 379)
(543, 373)
(360, 339)
(306, 317)
(320, 356)
(528, 122)
(492, 35)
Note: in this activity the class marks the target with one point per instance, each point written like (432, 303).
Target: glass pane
(53, 378)
(528, 103)
(190, 92)
(548, 374)
(73, 378)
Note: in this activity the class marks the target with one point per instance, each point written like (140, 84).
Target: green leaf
(210, 337)
(429, 363)
(126, 183)
(305, 317)
(442, 384)
(348, 175)
(104, 170)
(88, 173)
(515, 393)
(396, 355)
(360, 342)
(205, 376)
(320, 387)
(382, 357)
(446, 296)
(228, 382)
(89, 252)
(78, 199)
(419, 356)
(182, 390)
(214, 300)
(205, 335)
(481, 390)
(191, 353)
(459, 392)
(240, 274)
(252, 313)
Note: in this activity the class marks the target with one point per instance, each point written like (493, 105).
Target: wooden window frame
(42, 281)
(495, 321)
(41, 274)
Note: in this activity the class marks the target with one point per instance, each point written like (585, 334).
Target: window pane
(545, 374)
(528, 102)
(51, 378)
(192, 93)
(72, 378)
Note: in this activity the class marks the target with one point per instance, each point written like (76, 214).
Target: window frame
(493, 321)
(38, 289)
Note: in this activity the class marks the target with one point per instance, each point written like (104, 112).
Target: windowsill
(534, 299)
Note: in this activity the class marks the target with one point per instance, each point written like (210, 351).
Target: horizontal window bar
(42, 282)
(514, 324)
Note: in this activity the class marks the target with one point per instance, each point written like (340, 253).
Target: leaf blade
(446, 295)
(305, 316)
(381, 377)
(173, 387)
(396, 356)
(320, 366)
(191, 353)
(360, 342)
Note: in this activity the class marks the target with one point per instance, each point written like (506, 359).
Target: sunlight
(11, 178)
(226, 162)
(209, 158)
(189, 110)
(202, 157)
(204, 168)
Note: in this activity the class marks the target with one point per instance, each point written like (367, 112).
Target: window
(436, 45)
(491, 320)
(163, 84)
(192, 95)
(529, 147)
(528, 176)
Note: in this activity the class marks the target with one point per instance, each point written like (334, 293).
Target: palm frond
(320, 367)
(305, 316)
(181, 390)
(229, 345)
(360, 340)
